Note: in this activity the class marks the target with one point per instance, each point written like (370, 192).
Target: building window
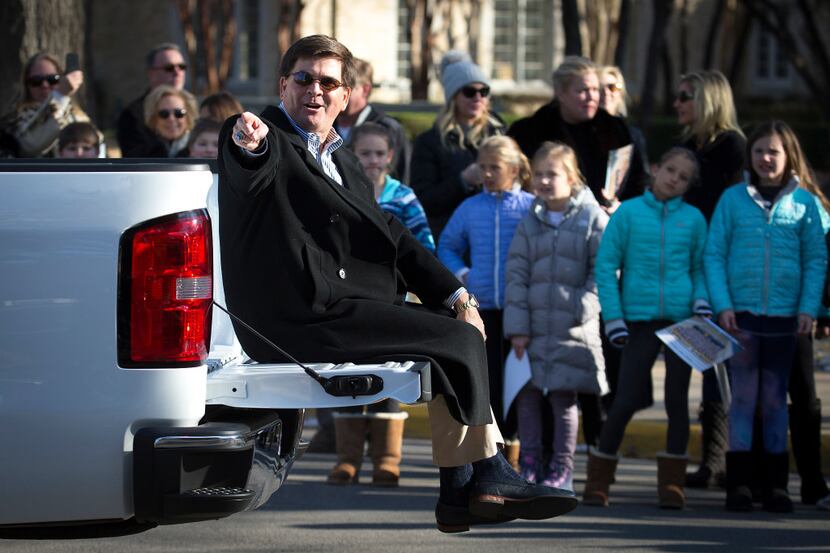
(522, 39)
(771, 63)
(404, 41)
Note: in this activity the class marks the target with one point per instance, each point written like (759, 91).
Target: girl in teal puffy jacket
(649, 274)
(765, 268)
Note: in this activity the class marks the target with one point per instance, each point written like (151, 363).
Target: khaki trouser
(455, 444)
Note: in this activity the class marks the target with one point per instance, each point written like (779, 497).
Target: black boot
(805, 433)
(777, 498)
(714, 427)
(738, 474)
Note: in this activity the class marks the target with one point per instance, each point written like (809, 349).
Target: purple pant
(529, 405)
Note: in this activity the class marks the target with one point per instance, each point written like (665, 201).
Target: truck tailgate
(287, 386)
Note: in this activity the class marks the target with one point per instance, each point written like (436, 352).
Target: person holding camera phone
(48, 105)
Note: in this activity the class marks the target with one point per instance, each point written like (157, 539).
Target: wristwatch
(471, 302)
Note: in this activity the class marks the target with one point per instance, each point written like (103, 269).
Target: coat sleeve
(244, 175)
(814, 256)
(36, 132)
(454, 242)
(517, 285)
(435, 188)
(595, 232)
(698, 248)
(716, 254)
(609, 262)
(424, 274)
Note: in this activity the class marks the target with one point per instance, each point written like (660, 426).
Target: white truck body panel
(69, 412)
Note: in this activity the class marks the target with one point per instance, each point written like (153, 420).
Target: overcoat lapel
(348, 191)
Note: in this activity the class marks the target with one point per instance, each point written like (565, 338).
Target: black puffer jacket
(721, 163)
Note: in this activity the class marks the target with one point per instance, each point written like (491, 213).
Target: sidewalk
(646, 433)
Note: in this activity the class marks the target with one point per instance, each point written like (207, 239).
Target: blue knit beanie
(457, 71)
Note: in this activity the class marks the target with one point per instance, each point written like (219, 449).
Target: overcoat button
(334, 218)
(341, 273)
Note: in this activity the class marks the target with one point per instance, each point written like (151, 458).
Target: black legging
(634, 389)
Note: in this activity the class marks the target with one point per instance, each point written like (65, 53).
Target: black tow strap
(352, 385)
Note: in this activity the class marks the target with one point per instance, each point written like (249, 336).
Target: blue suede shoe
(497, 492)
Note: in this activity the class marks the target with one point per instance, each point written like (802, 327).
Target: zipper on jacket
(767, 229)
(662, 253)
(499, 199)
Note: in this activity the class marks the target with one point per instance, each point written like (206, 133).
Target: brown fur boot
(351, 438)
(671, 473)
(511, 453)
(385, 445)
(601, 469)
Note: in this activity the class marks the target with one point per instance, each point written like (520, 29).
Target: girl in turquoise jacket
(649, 273)
(765, 268)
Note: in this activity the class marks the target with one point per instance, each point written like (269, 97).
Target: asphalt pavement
(307, 515)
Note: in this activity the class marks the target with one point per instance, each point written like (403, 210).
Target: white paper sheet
(516, 375)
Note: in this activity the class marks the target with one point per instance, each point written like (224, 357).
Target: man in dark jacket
(575, 118)
(310, 261)
(165, 65)
(360, 111)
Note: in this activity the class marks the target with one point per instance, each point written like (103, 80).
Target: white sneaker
(823, 504)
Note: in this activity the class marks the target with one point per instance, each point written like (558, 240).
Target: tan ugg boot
(601, 469)
(385, 445)
(671, 474)
(350, 433)
(511, 453)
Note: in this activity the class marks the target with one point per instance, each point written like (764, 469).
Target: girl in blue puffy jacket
(765, 268)
(474, 246)
(649, 274)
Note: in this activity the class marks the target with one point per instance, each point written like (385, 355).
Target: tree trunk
(712, 34)
(54, 26)
(420, 54)
(622, 34)
(662, 12)
(570, 22)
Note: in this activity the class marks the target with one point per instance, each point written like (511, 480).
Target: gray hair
(151, 55)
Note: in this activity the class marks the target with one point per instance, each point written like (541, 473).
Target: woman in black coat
(706, 110)
(443, 171)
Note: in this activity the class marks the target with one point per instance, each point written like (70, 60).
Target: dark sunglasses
(37, 80)
(684, 96)
(171, 67)
(178, 113)
(328, 84)
(471, 91)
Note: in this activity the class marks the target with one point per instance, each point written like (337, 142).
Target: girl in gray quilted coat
(552, 310)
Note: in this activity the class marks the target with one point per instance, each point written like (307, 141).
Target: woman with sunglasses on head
(443, 169)
(48, 105)
(706, 109)
(171, 114)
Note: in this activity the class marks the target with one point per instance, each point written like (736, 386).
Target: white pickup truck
(125, 399)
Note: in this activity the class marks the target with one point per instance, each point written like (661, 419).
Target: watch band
(471, 302)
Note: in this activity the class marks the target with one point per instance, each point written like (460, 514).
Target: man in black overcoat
(310, 260)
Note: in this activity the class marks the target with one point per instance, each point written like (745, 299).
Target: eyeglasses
(328, 84)
(166, 113)
(613, 87)
(171, 67)
(37, 80)
(684, 96)
(471, 91)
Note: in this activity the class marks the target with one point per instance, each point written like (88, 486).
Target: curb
(643, 438)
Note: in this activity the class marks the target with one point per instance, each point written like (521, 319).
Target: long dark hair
(796, 164)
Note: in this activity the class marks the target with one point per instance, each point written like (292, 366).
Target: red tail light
(166, 292)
